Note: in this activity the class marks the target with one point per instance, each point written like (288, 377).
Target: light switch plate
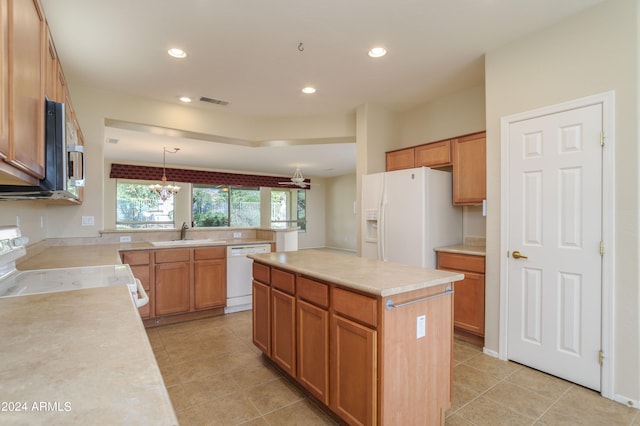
(87, 220)
(421, 326)
(237, 235)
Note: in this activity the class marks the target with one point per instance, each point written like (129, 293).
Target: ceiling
(258, 55)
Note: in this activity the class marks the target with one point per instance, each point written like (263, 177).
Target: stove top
(20, 283)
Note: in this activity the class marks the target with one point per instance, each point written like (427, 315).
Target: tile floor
(215, 376)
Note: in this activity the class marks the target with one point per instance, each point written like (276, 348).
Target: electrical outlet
(87, 220)
(421, 326)
(125, 239)
(18, 221)
(237, 235)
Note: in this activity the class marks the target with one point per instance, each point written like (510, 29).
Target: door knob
(517, 255)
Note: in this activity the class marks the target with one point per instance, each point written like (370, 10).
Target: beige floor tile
(485, 412)
(462, 395)
(462, 352)
(232, 409)
(525, 402)
(477, 380)
(207, 389)
(205, 367)
(301, 413)
(170, 374)
(456, 420)
(260, 421)
(544, 384)
(179, 398)
(586, 407)
(272, 396)
(189, 418)
(493, 366)
(253, 375)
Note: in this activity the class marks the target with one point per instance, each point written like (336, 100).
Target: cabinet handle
(391, 305)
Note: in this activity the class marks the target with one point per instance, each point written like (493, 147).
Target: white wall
(31, 216)
(341, 223)
(593, 52)
(315, 236)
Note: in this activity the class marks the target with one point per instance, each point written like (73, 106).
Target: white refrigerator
(406, 214)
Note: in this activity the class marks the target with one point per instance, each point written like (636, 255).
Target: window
(139, 208)
(224, 205)
(288, 208)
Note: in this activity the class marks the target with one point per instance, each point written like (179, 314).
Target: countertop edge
(463, 249)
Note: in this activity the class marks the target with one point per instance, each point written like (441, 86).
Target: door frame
(607, 100)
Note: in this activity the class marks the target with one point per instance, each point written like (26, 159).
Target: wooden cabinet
(24, 57)
(283, 330)
(209, 277)
(353, 358)
(172, 281)
(140, 264)
(437, 154)
(261, 298)
(470, 170)
(468, 311)
(313, 337)
(400, 159)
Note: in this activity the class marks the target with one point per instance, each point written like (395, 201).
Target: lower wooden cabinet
(172, 288)
(261, 298)
(140, 263)
(209, 278)
(313, 349)
(283, 331)
(353, 371)
(468, 299)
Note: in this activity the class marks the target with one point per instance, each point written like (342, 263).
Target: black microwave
(64, 161)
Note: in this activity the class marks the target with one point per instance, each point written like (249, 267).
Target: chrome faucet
(183, 231)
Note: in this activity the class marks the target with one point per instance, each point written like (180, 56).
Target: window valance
(128, 171)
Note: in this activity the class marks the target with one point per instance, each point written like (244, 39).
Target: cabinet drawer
(210, 253)
(165, 256)
(461, 262)
(313, 291)
(261, 273)
(136, 257)
(433, 154)
(284, 281)
(355, 306)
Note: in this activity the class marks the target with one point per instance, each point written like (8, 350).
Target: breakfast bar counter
(78, 357)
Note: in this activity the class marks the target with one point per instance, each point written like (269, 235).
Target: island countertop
(367, 275)
(79, 357)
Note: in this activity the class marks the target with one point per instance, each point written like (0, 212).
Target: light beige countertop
(78, 357)
(463, 249)
(69, 256)
(359, 273)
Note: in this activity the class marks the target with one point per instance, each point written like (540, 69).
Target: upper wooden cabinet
(400, 159)
(23, 54)
(470, 169)
(437, 154)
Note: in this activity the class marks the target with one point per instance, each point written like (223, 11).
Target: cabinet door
(468, 303)
(210, 283)
(283, 331)
(313, 350)
(26, 87)
(401, 159)
(353, 371)
(261, 298)
(436, 154)
(469, 170)
(172, 289)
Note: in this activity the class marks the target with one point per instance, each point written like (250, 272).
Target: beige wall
(593, 52)
(31, 216)
(341, 223)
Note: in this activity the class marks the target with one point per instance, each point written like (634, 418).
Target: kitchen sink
(186, 242)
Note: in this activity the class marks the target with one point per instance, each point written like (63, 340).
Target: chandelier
(165, 190)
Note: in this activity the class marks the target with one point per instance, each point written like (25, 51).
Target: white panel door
(555, 215)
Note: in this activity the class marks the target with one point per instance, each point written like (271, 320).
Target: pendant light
(165, 190)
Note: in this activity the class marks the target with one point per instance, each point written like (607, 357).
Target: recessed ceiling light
(309, 90)
(177, 53)
(185, 99)
(377, 52)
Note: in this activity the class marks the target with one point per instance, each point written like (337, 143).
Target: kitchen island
(371, 341)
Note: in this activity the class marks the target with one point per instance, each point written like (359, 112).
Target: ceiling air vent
(214, 101)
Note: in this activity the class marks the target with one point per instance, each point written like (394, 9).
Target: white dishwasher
(239, 275)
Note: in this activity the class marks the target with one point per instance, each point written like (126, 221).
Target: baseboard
(491, 353)
(627, 401)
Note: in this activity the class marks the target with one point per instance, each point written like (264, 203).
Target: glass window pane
(210, 205)
(139, 208)
(245, 207)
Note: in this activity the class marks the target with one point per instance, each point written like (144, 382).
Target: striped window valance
(128, 171)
